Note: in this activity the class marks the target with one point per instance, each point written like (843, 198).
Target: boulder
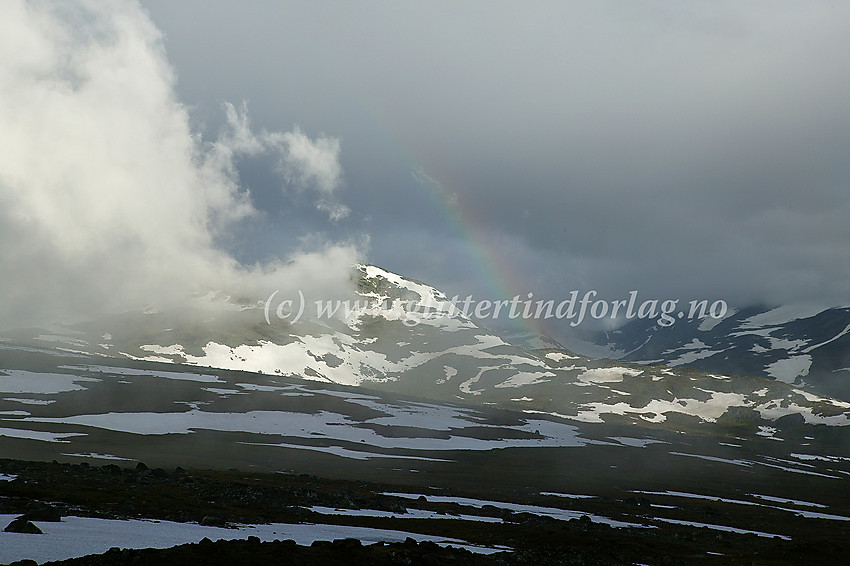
(40, 511)
(22, 525)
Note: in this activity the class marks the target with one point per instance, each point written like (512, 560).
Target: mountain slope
(808, 347)
(406, 338)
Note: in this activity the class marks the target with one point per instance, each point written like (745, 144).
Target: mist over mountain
(110, 200)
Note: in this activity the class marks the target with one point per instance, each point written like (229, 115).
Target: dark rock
(740, 417)
(40, 511)
(22, 525)
(347, 543)
(213, 521)
(141, 467)
(429, 546)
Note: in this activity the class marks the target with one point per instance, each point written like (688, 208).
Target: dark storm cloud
(686, 149)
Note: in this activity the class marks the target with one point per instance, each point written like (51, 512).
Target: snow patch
(97, 456)
(560, 356)
(785, 344)
(552, 512)
(708, 323)
(836, 337)
(789, 369)
(177, 375)
(74, 537)
(781, 315)
(38, 435)
(29, 401)
(721, 528)
(526, 378)
(655, 410)
(607, 375)
(690, 357)
(21, 381)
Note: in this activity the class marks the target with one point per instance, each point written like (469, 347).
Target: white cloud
(304, 163)
(312, 162)
(108, 200)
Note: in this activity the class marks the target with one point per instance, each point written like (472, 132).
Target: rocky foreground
(43, 492)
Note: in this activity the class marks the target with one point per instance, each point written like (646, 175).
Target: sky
(684, 150)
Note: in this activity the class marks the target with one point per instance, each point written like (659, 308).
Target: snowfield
(79, 536)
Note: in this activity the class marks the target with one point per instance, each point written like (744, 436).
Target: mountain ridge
(406, 337)
(805, 346)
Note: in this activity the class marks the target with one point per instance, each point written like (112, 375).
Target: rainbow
(489, 262)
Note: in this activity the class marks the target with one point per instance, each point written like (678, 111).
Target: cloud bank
(108, 200)
(685, 149)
